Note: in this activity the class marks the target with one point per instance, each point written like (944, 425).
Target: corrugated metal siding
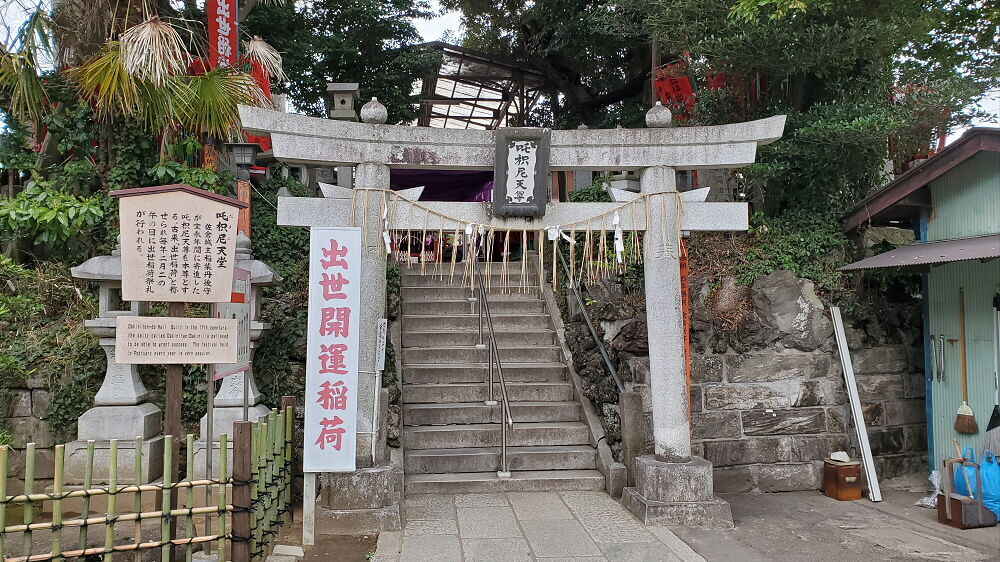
(980, 281)
(966, 200)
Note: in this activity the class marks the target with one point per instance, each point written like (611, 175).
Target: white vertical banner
(331, 395)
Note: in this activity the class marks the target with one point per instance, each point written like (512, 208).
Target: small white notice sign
(146, 340)
(383, 325)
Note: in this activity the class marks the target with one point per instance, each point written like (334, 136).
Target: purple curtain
(446, 185)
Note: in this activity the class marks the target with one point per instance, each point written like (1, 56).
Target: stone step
(448, 292)
(524, 481)
(495, 278)
(477, 412)
(502, 304)
(472, 354)
(437, 268)
(476, 372)
(560, 391)
(423, 322)
(470, 337)
(485, 459)
(488, 435)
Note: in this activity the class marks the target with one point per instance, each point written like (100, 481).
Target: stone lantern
(343, 95)
(228, 404)
(120, 408)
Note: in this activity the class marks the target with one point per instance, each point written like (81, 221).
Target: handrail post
(504, 472)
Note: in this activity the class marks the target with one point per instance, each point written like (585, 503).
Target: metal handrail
(572, 284)
(506, 419)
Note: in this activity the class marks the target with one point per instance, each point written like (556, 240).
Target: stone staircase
(451, 440)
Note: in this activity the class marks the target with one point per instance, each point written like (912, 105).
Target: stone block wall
(22, 415)
(768, 399)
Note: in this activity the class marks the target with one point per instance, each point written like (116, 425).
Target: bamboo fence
(260, 489)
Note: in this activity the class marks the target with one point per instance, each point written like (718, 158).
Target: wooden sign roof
(180, 187)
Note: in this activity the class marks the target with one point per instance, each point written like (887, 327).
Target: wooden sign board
(521, 182)
(146, 340)
(178, 244)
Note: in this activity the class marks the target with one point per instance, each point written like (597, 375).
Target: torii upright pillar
(671, 486)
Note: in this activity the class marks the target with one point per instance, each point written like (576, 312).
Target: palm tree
(143, 72)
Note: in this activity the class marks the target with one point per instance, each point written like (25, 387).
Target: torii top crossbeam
(310, 140)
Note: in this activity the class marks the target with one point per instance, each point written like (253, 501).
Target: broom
(992, 440)
(965, 422)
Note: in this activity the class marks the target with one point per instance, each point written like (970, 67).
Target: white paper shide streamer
(619, 239)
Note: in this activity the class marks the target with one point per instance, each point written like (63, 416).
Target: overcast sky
(434, 29)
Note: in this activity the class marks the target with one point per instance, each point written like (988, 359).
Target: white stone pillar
(370, 176)
(665, 317)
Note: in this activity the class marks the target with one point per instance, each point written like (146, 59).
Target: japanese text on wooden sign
(223, 41)
(332, 350)
(521, 155)
(521, 172)
(177, 247)
(238, 309)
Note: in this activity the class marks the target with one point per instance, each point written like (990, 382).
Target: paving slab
(638, 552)
(430, 507)
(605, 519)
(559, 538)
(440, 548)
(494, 522)
(480, 500)
(414, 528)
(495, 550)
(531, 506)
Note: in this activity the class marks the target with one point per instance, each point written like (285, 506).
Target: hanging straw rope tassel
(506, 262)
(555, 262)
(490, 240)
(636, 247)
(364, 225)
(393, 210)
(522, 284)
(423, 242)
(454, 257)
(572, 256)
(440, 249)
(602, 252)
(541, 258)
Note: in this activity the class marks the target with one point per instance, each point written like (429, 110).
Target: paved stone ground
(584, 526)
(516, 526)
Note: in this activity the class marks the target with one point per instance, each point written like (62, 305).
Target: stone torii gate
(672, 486)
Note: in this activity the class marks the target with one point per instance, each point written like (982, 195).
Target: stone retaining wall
(768, 399)
(23, 417)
